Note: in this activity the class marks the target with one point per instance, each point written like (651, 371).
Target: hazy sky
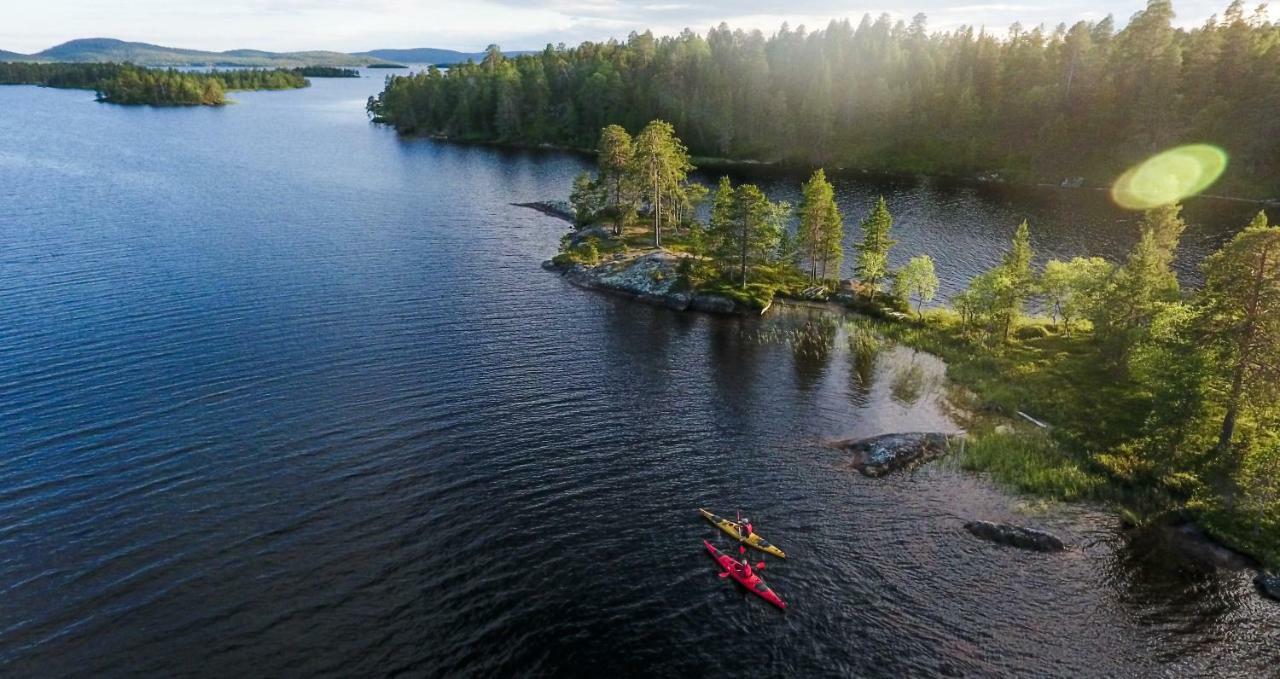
(355, 25)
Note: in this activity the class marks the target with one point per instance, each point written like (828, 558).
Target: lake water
(285, 395)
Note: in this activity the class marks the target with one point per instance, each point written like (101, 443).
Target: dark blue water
(284, 395)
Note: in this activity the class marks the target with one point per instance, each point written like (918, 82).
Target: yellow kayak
(732, 529)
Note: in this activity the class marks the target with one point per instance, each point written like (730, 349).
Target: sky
(358, 25)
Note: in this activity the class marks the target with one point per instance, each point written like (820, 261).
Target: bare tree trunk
(1245, 341)
(1233, 409)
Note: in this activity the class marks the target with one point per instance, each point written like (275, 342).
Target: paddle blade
(724, 574)
(760, 566)
(742, 550)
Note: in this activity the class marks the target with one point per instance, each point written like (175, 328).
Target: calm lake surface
(285, 395)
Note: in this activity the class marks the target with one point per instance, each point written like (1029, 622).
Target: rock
(1016, 536)
(1268, 584)
(713, 304)
(1193, 543)
(679, 301)
(1072, 182)
(580, 236)
(880, 455)
(554, 208)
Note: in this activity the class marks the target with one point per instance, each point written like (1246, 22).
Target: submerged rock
(1269, 585)
(1195, 544)
(1016, 536)
(881, 455)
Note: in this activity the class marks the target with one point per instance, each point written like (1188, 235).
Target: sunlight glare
(1169, 177)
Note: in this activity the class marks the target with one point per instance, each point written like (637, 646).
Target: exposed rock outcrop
(554, 208)
(650, 278)
(1016, 536)
(881, 455)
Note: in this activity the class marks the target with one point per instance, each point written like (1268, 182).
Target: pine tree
(585, 199)
(753, 220)
(1142, 284)
(720, 229)
(661, 163)
(1241, 300)
(873, 252)
(614, 159)
(1015, 267)
(820, 224)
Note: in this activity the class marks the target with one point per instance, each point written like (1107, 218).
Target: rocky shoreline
(649, 278)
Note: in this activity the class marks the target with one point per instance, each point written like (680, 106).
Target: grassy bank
(1093, 413)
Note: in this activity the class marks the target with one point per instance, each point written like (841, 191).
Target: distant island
(110, 50)
(326, 72)
(1072, 105)
(135, 85)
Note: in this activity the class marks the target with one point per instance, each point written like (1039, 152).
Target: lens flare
(1169, 177)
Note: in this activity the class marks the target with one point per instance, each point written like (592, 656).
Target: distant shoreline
(705, 163)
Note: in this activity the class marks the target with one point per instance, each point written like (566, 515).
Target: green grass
(1031, 462)
(1096, 415)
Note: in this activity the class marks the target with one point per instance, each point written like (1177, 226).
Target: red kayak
(751, 581)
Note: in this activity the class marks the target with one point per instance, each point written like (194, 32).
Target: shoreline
(629, 275)
(982, 178)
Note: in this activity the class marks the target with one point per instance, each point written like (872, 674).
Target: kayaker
(744, 528)
(744, 568)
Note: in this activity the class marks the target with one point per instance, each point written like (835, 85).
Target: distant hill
(424, 55)
(145, 54)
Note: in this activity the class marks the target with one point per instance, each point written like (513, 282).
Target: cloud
(354, 25)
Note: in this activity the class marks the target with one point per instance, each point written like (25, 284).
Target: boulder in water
(1016, 536)
(881, 455)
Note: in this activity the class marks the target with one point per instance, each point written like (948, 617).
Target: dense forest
(128, 84)
(1084, 100)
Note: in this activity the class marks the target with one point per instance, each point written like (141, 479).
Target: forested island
(1085, 100)
(1162, 400)
(326, 72)
(129, 84)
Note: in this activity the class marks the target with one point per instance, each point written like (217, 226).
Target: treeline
(1081, 100)
(128, 84)
(72, 76)
(326, 72)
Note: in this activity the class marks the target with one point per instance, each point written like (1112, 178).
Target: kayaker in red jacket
(744, 569)
(744, 528)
